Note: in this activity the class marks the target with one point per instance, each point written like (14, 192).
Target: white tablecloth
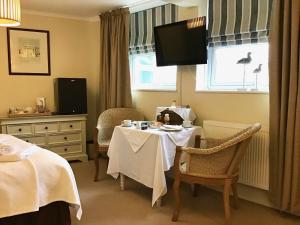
(185, 113)
(155, 155)
(42, 178)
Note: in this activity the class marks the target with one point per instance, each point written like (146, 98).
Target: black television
(181, 43)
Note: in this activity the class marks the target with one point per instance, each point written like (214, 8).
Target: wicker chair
(215, 163)
(105, 127)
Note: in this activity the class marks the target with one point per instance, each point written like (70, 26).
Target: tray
(16, 115)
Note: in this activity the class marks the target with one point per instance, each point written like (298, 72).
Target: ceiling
(91, 8)
(76, 8)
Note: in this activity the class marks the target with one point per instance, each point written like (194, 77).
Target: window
(145, 75)
(223, 73)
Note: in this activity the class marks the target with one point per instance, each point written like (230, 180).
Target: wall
(75, 53)
(232, 107)
(74, 48)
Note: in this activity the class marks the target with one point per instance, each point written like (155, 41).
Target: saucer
(123, 125)
(153, 127)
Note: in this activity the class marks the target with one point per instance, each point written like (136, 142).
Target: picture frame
(28, 52)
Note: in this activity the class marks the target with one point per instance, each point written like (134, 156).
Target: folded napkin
(13, 149)
(181, 138)
(136, 138)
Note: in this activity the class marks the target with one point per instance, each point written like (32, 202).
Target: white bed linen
(13, 149)
(147, 165)
(42, 178)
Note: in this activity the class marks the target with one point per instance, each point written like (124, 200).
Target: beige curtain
(114, 86)
(285, 106)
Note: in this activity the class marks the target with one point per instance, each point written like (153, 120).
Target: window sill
(232, 92)
(154, 90)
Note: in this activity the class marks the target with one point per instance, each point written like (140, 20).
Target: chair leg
(122, 182)
(176, 190)
(107, 162)
(195, 190)
(226, 197)
(235, 195)
(97, 166)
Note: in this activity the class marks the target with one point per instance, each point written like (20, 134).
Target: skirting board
(252, 194)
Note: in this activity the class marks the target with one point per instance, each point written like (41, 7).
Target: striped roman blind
(141, 33)
(238, 21)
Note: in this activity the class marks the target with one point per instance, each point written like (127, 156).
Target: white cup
(187, 123)
(127, 123)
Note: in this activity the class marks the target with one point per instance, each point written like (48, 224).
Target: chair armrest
(207, 151)
(211, 142)
(223, 144)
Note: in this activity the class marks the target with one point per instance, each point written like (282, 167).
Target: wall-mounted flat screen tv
(181, 43)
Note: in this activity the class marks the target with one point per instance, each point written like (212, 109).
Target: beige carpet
(105, 204)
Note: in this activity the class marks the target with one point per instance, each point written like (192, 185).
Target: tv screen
(181, 43)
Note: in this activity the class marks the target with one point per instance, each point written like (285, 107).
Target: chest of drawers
(62, 134)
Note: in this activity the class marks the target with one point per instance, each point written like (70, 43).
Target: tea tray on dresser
(62, 134)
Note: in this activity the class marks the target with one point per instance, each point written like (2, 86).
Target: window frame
(150, 88)
(209, 74)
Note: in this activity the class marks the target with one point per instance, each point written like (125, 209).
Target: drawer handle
(46, 128)
(71, 126)
(66, 149)
(20, 129)
(66, 138)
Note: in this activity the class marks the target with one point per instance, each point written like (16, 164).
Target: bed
(37, 189)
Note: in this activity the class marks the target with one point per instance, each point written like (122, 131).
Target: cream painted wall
(243, 108)
(74, 47)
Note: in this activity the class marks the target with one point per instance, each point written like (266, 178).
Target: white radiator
(254, 169)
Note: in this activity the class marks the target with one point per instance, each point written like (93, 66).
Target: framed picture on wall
(28, 52)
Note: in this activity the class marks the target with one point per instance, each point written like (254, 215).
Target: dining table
(145, 155)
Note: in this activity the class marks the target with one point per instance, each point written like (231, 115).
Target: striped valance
(141, 38)
(238, 21)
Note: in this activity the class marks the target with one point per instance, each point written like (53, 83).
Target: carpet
(105, 204)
